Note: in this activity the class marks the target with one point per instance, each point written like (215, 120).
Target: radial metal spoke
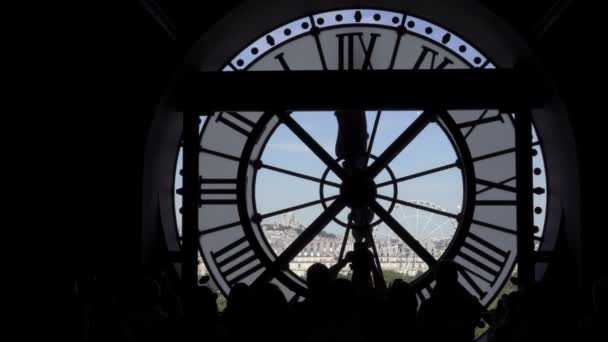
(344, 241)
(419, 174)
(378, 267)
(403, 234)
(297, 207)
(472, 128)
(418, 206)
(311, 144)
(302, 240)
(373, 136)
(299, 175)
(400, 143)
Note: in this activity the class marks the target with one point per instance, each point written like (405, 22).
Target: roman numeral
(495, 202)
(294, 299)
(494, 154)
(219, 154)
(481, 120)
(492, 185)
(233, 274)
(346, 50)
(502, 186)
(315, 31)
(236, 121)
(396, 46)
(424, 293)
(281, 58)
(220, 228)
(433, 55)
(218, 191)
(495, 227)
(499, 153)
(474, 256)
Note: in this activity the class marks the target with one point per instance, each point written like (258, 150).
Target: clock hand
(373, 136)
(351, 144)
(403, 234)
(314, 146)
(401, 142)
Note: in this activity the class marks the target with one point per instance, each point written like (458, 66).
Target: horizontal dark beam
(348, 90)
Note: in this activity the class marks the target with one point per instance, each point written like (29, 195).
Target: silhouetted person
(205, 318)
(498, 320)
(312, 313)
(400, 311)
(239, 312)
(318, 277)
(362, 265)
(147, 320)
(507, 319)
(342, 299)
(451, 313)
(369, 299)
(270, 313)
(343, 318)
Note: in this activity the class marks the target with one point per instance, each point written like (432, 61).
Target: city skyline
(394, 254)
(430, 149)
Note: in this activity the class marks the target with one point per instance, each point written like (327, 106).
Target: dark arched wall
(104, 142)
(465, 17)
(144, 63)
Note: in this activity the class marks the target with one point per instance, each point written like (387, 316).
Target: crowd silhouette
(338, 309)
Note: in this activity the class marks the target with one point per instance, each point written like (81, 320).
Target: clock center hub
(359, 191)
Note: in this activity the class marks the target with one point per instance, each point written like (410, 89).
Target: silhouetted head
(317, 277)
(446, 273)
(363, 260)
(239, 297)
(270, 300)
(341, 293)
(205, 302)
(401, 292)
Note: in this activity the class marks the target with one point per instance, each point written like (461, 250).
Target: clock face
(274, 199)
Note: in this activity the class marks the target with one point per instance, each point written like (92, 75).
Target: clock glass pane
(451, 187)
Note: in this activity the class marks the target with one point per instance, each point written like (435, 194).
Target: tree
(390, 276)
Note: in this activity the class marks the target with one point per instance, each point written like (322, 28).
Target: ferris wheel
(424, 225)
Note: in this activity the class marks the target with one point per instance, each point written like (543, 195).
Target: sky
(431, 148)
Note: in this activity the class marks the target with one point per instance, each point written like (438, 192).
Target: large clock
(273, 195)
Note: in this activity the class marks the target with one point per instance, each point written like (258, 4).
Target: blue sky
(430, 149)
